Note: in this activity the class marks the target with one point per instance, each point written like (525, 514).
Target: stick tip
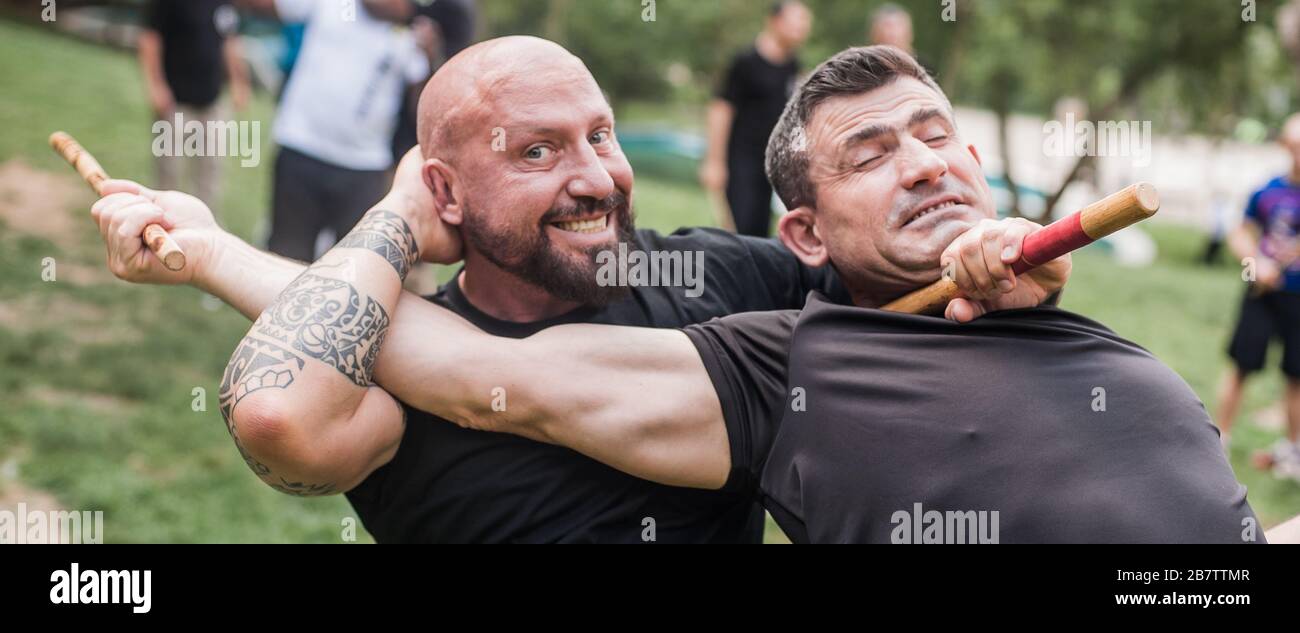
(174, 261)
(1148, 200)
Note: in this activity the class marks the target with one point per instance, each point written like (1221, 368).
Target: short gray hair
(850, 72)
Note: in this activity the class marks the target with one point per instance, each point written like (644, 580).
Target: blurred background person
(1270, 237)
(444, 28)
(746, 107)
(336, 120)
(891, 25)
(188, 49)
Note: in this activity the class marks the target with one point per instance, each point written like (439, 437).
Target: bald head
(473, 92)
(520, 153)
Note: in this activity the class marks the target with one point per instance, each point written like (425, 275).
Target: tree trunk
(1002, 108)
(1128, 91)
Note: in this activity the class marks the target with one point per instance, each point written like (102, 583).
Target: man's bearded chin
(532, 257)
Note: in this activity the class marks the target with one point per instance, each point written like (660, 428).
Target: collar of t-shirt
(452, 297)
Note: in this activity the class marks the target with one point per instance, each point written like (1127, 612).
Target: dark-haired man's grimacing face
(894, 184)
(544, 184)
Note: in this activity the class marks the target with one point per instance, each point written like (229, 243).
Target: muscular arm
(637, 399)
(297, 394)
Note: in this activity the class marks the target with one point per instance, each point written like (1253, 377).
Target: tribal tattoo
(259, 365)
(300, 489)
(330, 321)
(318, 317)
(386, 234)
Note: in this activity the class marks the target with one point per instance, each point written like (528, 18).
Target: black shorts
(308, 195)
(1262, 318)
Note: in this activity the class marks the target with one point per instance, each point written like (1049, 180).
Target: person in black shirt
(187, 50)
(297, 392)
(741, 117)
(850, 424)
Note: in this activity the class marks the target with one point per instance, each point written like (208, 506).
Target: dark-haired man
(847, 423)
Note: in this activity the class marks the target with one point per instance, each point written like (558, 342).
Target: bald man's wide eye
(599, 137)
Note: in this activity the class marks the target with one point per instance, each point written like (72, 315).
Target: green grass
(98, 374)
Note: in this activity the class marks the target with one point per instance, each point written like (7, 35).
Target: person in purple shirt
(1268, 242)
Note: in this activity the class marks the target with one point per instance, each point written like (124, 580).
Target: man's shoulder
(744, 335)
(1039, 321)
(745, 57)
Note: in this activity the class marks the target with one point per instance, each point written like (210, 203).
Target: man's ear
(445, 185)
(799, 233)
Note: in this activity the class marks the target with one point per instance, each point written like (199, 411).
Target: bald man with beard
(522, 174)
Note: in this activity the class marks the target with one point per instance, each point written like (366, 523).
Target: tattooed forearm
(329, 320)
(388, 235)
(256, 365)
(322, 316)
(259, 365)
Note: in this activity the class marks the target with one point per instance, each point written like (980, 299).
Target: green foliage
(1184, 64)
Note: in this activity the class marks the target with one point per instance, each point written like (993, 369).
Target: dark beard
(536, 261)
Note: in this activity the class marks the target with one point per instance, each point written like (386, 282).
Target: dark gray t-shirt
(856, 425)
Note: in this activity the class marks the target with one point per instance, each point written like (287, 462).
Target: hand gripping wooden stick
(1123, 208)
(162, 244)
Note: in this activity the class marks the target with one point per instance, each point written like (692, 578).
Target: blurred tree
(1184, 65)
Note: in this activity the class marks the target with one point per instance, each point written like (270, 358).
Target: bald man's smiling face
(544, 184)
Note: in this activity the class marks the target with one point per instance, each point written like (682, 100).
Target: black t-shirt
(193, 33)
(758, 90)
(855, 425)
(449, 484)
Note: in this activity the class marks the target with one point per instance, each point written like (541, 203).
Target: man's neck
(770, 48)
(504, 296)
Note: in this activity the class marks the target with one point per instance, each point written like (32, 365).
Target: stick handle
(162, 244)
(1123, 208)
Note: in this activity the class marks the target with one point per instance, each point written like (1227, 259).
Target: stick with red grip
(1123, 208)
(162, 245)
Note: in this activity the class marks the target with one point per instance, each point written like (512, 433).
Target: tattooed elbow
(286, 460)
(263, 426)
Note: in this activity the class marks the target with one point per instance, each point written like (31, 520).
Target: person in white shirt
(336, 119)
